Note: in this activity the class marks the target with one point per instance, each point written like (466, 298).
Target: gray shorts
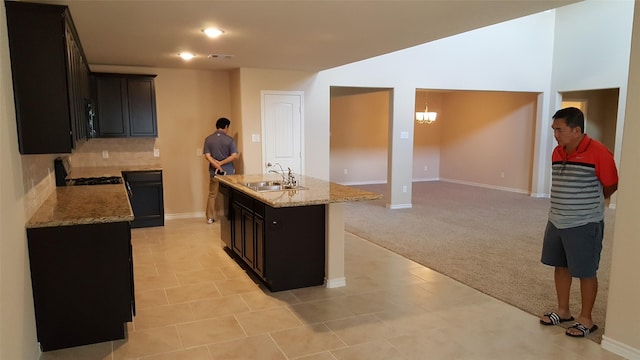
(575, 248)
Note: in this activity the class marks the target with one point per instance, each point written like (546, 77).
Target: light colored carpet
(487, 239)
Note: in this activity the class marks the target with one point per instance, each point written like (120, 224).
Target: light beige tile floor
(195, 303)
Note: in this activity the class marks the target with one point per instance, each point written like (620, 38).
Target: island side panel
(82, 283)
(334, 261)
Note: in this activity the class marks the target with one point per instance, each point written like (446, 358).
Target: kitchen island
(81, 263)
(289, 238)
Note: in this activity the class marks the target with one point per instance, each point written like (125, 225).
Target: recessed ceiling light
(212, 32)
(187, 56)
(219, 56)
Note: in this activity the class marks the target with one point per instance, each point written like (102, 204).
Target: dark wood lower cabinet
(284, 247)
(82, 281)
(146, 197)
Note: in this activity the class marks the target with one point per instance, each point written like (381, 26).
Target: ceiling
(305, 35)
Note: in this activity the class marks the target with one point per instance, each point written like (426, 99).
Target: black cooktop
(105, 180)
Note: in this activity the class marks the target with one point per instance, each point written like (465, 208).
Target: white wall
(591, 51)
(511, 56)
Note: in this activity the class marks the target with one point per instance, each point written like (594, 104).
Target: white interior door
(282, 129)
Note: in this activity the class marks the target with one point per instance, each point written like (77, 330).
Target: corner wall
(623, 318)
(17, 316)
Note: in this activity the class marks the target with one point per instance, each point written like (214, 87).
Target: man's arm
(609, 190)
(215, 163)
(228, 159)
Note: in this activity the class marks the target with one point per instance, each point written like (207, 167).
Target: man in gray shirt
(220, 150)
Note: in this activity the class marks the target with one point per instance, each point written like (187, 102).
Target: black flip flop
(555, 319)
(583, 329)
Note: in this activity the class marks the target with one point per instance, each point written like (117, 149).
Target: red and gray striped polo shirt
(577, 181)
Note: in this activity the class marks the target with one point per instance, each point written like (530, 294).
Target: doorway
(600, 108)
(282, 130)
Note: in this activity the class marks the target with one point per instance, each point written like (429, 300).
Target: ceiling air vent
(219, 56)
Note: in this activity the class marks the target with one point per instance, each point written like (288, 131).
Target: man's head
(222, 123)
(568, 126)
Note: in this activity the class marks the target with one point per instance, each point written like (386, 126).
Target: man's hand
(215, 163)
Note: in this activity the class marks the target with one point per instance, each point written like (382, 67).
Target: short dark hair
(222, 123)
(572, 116)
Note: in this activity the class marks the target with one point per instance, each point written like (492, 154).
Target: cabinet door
(248, 238)
(111, 106)
(82, 283)
(146, 197)
(142, 107)
(258, 231)
(39, 72)
(147, 204)
(236, 215)
(78, 86)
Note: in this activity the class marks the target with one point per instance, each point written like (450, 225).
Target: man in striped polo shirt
(584, 174)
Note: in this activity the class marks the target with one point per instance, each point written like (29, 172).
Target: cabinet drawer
(242, 199)
(258, 208)
(142, 176)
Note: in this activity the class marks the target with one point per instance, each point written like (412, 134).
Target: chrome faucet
(281, 172)
(289, 180)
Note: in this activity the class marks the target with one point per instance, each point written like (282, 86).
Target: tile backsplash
(115, 152)
(38, 174)
(38, 180)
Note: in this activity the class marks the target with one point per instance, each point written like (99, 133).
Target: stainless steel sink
(263, 186)
(263, 183)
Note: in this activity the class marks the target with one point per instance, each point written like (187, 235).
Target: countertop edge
(333, 192)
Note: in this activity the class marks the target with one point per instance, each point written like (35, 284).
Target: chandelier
(426, 116)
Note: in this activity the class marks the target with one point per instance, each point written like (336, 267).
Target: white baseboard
(334, 283)
(619, 348)
(426, 179)
(399, 206)
(540, 195)
(519, 191)
(184, 215)
(356, 183)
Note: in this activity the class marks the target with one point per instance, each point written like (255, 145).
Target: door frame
(263, 94)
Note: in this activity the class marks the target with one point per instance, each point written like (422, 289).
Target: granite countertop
(88, 204)
(106, 171)
(77, 205)
(319, 191)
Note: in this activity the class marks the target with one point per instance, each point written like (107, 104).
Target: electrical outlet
(345, 171)
(198, 152)
(502, 174)
(105, 154)
(404, 188)
(426, 168)
(156, 152)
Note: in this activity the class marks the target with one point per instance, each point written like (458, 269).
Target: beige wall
(359, 135)
(188, 102)
(477, 137)
(252, 82)
(623, 317)
(17, 319)
(427, 138)
(601, 113)
(487, 138)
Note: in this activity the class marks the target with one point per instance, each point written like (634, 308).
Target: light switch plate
(255, 138)
(404, 134)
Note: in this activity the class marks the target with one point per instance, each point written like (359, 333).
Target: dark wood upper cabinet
(50, 78)
(125, 105)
